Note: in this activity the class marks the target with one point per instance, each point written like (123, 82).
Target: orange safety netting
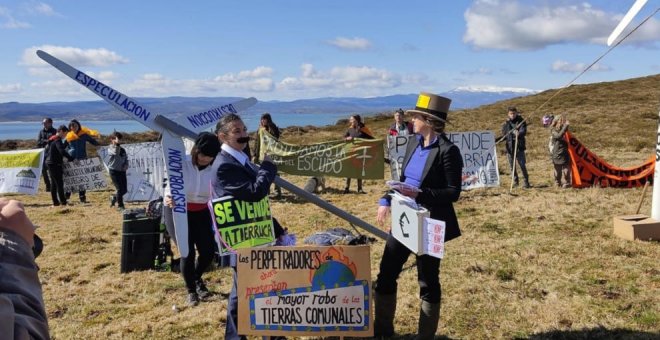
(588, 170)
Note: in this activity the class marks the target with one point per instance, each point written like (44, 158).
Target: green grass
(540, 263)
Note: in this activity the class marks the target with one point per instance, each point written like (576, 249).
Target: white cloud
(351, 44)
(562, 66)
(255, 80)
(342, 80)
(513, 25)
(479, 71)
(41, 8)
(10, 88)
(77, 57)
(494, 88)
(8, 20)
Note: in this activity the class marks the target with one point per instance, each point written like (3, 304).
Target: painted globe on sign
(332, 272)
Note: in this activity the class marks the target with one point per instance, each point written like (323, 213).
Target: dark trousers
(231, 330)
(45, 175)
(121, 184)
(348, 184)
(562, 170)
(56, 183)
(520, 156)
(394, 257)
(200, 235)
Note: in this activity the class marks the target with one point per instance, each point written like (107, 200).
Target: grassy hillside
(538, 263)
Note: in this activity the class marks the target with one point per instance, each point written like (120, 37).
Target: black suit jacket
(243, 183)
(441, 182)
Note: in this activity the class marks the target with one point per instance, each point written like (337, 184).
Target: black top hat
(432, 106)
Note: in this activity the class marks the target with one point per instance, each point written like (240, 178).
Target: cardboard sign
(359, 158)
(477, 150)
(305, 291)
(240, 224)
(146, 170)
(20, 171)
(84, 174)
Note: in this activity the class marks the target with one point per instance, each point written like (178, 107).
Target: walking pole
(513, 168)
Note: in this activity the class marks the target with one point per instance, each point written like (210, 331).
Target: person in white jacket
(199, 176)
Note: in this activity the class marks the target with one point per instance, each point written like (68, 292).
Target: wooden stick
(513, 168)
(641, 198)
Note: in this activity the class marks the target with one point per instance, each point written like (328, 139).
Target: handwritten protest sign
(146, 170)
(477, 149)
(84, 174)
(240, 224)
(396, 150)
(298, 291)
(20, 171)
(359, 158)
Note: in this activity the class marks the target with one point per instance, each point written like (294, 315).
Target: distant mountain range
(462, 98)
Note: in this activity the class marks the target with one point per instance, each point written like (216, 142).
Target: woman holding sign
(238, 178)
(200, 178)
(78, 137)
(432, 177)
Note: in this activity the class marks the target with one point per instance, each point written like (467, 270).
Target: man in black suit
(432, 170)
(241, 179)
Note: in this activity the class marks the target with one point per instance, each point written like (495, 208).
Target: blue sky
(285, 50)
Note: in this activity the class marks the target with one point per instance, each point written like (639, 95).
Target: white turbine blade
(174, 154)
(200, 121)
(636, 7)
(120, 101)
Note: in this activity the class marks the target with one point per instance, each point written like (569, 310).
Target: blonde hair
(558, 121)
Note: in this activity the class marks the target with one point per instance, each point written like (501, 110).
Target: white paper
(434, 237)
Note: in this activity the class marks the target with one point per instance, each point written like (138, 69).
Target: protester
(514, 131)
(42, 141)
(118, 165)
(55, 154)
(238, 178)
(199, 176)
(77, 138)
(266, 124)
(22, 311)
(356, 129)
(400, 127)
(559, 151)
(433, 165)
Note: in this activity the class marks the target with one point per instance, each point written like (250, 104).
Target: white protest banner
(20, 171)
(477, 149)
(396, 150)
(479, 158)
(305, 291)
(146, 170)
(83, 174)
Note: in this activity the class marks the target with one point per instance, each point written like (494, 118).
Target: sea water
(30, 130)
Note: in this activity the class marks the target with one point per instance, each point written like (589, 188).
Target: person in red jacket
(400, 126)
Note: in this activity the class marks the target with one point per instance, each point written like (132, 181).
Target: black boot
(429, 315)
(384, 317)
